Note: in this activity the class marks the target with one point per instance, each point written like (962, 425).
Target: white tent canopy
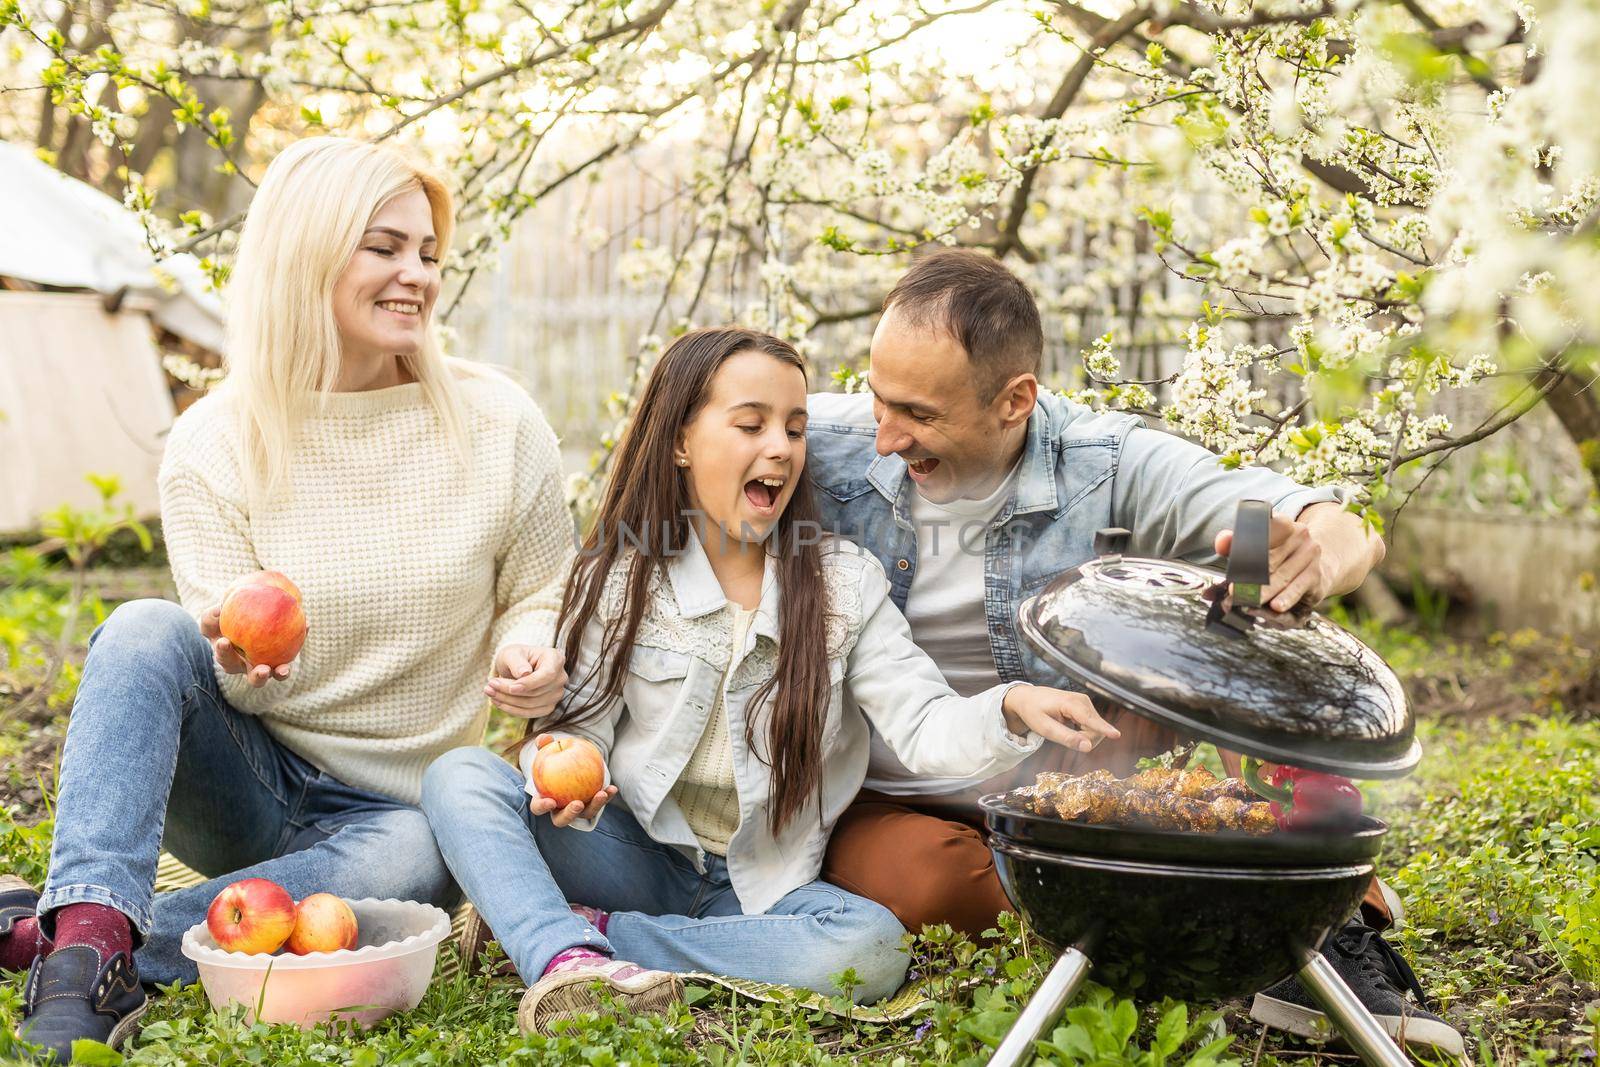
(59, 231)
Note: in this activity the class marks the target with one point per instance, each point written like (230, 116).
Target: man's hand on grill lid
(1327, 550)
(1066, 718)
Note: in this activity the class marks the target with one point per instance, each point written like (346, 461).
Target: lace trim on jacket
(709, 637)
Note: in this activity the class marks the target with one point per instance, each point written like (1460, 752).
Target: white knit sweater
(413, 571)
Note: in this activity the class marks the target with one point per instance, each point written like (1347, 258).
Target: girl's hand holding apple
(527, 682)
(570, 775)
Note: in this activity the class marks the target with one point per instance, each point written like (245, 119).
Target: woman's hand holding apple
(582, 771)
(1044, 711)
(527, 682)
(228, 657)
(259, 628)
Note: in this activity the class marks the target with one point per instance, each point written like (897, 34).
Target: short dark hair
(981, 304)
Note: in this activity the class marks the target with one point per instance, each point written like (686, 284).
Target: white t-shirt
(945, 610)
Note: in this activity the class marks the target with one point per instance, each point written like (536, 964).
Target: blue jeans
(155, 757)
(521, 872)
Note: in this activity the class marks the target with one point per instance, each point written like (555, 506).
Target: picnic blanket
(910, 999)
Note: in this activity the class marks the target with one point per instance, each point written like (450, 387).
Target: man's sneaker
(570, 991)
(1379, 977)
(70, 995)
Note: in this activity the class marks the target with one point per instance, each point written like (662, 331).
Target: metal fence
(555, 314)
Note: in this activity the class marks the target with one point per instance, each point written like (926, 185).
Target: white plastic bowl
(388, 970)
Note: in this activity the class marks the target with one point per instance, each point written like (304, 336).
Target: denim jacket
(683, 657)
(1080, 472)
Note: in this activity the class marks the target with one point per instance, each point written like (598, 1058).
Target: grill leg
(1370, 1041)
(1049, 1000)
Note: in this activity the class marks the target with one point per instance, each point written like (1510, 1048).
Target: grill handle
(1249, 570)
(1110, 542)
(1045, 1007)
(1249, 560)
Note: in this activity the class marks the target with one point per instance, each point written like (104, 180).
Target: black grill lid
(1291, 688)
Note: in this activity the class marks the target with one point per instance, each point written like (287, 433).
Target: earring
(682, 462)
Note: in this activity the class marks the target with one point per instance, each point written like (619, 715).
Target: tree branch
(646, 22)
(1552, 378)
(1107, 35)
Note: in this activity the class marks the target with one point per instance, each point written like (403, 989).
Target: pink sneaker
(569, 988)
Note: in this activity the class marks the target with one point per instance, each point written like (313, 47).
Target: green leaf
(832, 238)
(94, 1054)
(1172, 1030)
(1124, 1021)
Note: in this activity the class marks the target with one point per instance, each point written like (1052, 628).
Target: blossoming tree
(1340, 211)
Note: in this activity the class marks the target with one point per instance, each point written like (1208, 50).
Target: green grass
(1495, 849)
(472, 1021)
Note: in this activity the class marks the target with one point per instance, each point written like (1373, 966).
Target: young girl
(727, 659)
(415, 501)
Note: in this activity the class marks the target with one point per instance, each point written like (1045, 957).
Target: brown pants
(927, 860)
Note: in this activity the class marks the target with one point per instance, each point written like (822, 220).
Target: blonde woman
(416, 502)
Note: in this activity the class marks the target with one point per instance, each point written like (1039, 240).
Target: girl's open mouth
(762, 494)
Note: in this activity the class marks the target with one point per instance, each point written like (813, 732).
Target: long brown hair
(647, 499)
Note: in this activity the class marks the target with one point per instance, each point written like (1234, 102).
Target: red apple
(261, 616)
(322, 923)
(568, 769)
(273, 578)
(253, 915)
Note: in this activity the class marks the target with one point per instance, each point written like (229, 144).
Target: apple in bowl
(323, 923)
(251, 915)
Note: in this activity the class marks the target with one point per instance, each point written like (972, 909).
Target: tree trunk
(154, 126)
(47, 106)
(80, 139)
(1379, 601)
(1577, 407)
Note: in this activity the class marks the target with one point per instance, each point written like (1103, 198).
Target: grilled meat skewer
(1192, 800)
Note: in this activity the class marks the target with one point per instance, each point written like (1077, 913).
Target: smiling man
(974, 489)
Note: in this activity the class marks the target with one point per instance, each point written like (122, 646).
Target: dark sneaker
(1379, 977)
(70, 996)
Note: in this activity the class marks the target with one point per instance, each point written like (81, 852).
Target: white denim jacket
(881, 680)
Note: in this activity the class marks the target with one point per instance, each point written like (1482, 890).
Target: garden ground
(1495, 851)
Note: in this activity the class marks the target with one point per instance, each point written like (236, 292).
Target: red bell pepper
(1306, 800)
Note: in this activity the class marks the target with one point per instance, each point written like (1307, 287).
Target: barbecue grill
(1203, 915)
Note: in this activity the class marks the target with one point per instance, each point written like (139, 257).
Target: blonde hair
(283, 352)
